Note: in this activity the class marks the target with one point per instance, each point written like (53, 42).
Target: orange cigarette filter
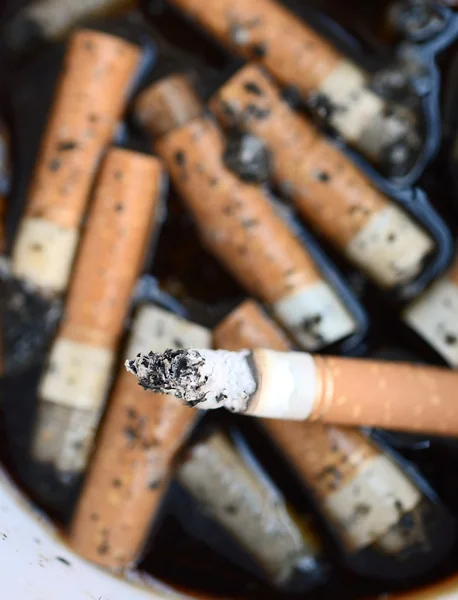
(332, 194)
(139, 438)
(334, 462)
(74, 385)
(268, 33)
(90, 97)
(238, 223)
(446, 589)
(434, 315)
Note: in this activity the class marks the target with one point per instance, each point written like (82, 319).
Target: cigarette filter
(90, 97)
(74, 385)
(333, 195)
(49, 20)
(360, 490)
(241, 228)
(434, 316)
(300, 386)
(252, 512)
(265, 31)
(139, 438)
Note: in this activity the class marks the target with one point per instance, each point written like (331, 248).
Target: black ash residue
(172, 372)
(248, 157)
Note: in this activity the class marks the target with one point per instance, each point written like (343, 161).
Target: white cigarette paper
(209, 379)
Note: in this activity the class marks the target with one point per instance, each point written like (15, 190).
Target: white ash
(202, 378)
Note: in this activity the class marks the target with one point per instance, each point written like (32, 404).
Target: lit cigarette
(73, 387)
(49, 20)
(434, 316)
(300, 386)
(90, 97)
(392, 519)
(129, 471)
(237, 222)
(265, 31)
(254, 513)
(332, 194)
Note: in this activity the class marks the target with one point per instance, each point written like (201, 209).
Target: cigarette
(130, 468)
(339, 465)
(239, 225)
(254, 514)
(301, 386)
(74, 385)
(90, 97)
(434, 315)
(330, 192)
(50, 20)
(336, 88)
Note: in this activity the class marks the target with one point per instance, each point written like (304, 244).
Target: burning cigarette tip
(204, 379)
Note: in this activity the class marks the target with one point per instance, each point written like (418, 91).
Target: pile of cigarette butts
(124, 383)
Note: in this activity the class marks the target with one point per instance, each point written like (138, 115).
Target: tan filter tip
(167, 104)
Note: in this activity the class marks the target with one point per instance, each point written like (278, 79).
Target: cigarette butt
(434, 315)
(170, 103)
(338, 464)
(48, 20)
(266, 32)
(332, 194)
(300, 386)
(110, 258)
(238, 224)
(90, 97)
(256, 517)
(139, 438)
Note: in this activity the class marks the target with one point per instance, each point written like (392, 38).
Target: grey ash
(172, 372)
(247, 157)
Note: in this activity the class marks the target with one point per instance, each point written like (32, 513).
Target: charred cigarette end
(204, 379)
(247, 156)
(220, 480)
(167, 104)
(386, 133)
(103, 66)
(47, 20)
(434, 316)
(138, 441)
(327, 188)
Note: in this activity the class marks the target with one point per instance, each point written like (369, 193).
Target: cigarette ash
(29, 321)
(202, 378)
(248, 157)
